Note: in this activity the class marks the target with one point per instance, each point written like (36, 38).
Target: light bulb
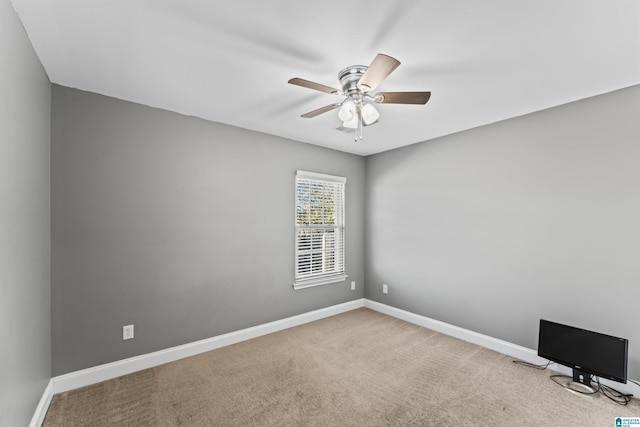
(369, 114)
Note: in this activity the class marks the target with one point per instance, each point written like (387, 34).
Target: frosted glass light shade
(369, 114)
(351, 124)
(347, 114)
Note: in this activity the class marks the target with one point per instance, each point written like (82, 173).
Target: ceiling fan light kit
(350, 112)
(356, 110)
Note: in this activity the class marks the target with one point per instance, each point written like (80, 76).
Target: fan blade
(320, 111)
(402, 97)
(381, 66)
(312, 85)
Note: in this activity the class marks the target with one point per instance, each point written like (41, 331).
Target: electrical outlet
(353, 286)
(385, 288)
(127, 332)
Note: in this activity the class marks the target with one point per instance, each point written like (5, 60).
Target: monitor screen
(591, 352)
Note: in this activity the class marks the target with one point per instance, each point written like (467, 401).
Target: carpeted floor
(360, 368)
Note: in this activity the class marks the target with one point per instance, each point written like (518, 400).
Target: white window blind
(320, 229)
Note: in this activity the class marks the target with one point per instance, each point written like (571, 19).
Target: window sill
(308, 283)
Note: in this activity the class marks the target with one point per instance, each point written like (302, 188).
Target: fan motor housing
(349, 78)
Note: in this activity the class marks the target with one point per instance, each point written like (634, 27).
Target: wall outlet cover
(127, 332)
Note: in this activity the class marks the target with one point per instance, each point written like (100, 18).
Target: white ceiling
(229, 61)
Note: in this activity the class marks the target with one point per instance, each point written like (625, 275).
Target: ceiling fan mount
(349, 78)
(356, 110)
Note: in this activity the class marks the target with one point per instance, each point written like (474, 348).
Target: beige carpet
(360, 368)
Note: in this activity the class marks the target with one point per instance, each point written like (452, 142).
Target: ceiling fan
(357, 110)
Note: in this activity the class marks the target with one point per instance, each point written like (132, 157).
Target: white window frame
(315, 266)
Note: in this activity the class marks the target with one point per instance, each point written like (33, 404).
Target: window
(319, 229)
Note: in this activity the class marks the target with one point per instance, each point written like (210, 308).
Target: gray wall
(180, 226)
(25, 358)
(497, 227)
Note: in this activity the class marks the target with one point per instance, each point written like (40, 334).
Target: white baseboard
(108, 371)
(491, 343)
(504, 347)
(43, 406)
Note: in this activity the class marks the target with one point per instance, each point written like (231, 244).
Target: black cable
(613, 394)
(610, 392)
(532, 365)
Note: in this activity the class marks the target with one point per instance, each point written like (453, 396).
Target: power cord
(532, 365)
(613, 394)
(610, 392)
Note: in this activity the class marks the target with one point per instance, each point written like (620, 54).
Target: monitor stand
(581, 383)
